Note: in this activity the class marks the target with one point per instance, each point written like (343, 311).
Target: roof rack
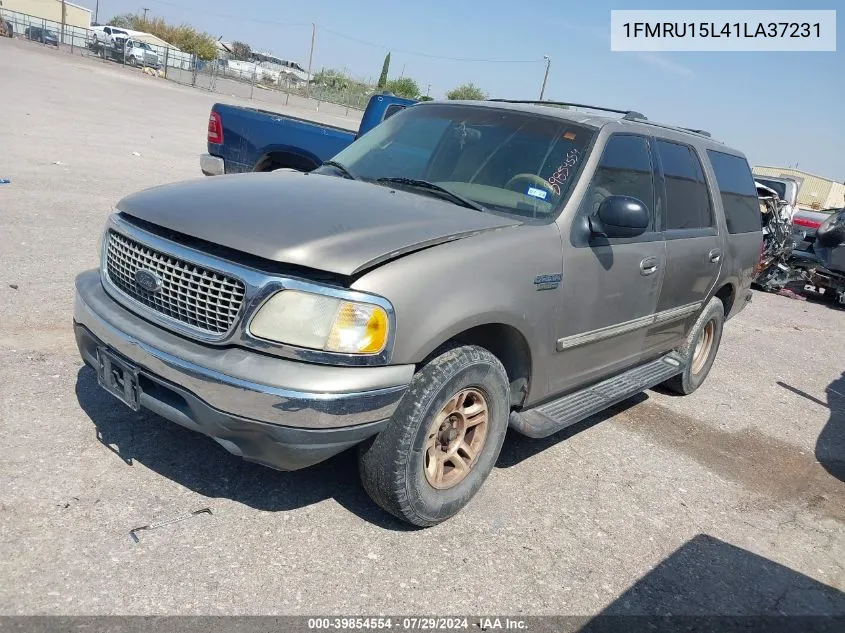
(629, 115)
(677, 128)
(702, 132)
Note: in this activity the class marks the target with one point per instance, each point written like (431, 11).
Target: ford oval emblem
(147, 280)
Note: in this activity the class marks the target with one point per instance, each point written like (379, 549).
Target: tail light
(806, 222)
(215, 129)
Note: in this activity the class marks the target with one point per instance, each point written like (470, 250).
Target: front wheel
(699, 349)
(442, 441)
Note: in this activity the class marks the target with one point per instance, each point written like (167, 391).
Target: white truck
(118, 44)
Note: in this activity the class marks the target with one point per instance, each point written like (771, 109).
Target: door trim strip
(593, 336)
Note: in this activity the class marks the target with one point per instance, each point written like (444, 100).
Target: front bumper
(281, 413)
(212, 165)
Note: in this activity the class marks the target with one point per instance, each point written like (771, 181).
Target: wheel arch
(726, 293)
(279, 157)
(506, 341)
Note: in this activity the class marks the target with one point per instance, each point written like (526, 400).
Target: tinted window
(738, 192)
(392, 109)
(688, 203)
(624, 170)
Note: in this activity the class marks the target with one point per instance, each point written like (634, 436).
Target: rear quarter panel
(741, 250)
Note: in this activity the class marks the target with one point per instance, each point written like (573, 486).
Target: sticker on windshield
(561, 174)
(537, 193)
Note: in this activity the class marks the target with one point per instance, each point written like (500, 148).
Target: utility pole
(311, 54)
(145, 9)
(546, 76)
(97, 13)
(64, 17)
(427, 89)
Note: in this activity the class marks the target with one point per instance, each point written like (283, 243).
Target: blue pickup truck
(248, 139)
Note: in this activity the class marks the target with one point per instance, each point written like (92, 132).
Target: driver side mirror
(620, 216)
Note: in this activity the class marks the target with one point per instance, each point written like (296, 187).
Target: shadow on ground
(708, 577)
(830, 445)
(200, 464)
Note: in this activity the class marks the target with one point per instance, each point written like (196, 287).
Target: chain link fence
(259, 82)
(264, 83)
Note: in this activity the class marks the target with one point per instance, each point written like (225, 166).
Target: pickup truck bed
(261, 140)
(250, 139)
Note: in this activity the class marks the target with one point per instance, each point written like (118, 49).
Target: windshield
(509, 161)
(143, 45)
(780, 187)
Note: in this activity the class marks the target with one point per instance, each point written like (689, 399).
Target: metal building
(51, 11)
(814, 192)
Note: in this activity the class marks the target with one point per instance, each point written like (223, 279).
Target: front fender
(440, 292)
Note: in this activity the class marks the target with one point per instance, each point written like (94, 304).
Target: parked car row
(34, 33)
(41, 34)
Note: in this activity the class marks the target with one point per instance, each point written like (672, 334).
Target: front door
(610, 286)
(693, 246)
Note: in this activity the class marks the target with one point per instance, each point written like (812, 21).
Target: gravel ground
(728, 501)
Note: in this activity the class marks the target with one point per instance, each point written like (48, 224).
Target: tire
(393, 464)
(696, 368)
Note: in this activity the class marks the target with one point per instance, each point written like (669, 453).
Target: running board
(572, 408)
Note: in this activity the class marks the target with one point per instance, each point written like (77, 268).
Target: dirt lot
(731, 500)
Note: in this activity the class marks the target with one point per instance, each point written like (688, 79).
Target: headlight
(321, 322)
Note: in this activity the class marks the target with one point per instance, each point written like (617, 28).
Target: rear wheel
(443, 440)
(700, 348)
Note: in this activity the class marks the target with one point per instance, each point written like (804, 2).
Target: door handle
(648, 266)
(715, 255)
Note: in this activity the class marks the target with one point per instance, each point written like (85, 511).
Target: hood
(319, 221)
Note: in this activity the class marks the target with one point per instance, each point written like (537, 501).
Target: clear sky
(779, 108)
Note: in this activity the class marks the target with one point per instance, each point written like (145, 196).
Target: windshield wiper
(341, 168)
(430, 186)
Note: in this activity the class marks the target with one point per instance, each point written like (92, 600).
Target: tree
(183, 37)
(123, 21)
(331, 78)
(382, 80)
(241, 51)
(467, 92)
(403, 87)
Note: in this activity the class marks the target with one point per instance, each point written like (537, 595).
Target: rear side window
(688, 203)
(392, 109)
(738, 191)
(624, 170)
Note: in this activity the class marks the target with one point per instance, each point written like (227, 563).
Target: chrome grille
(190, 294)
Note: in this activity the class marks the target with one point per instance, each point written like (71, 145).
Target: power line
(427, 55)
(358, 40)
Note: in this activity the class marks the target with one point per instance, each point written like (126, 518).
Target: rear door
(693, 245)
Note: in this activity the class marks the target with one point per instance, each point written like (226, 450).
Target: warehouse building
(814, 192)
(49, 11)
